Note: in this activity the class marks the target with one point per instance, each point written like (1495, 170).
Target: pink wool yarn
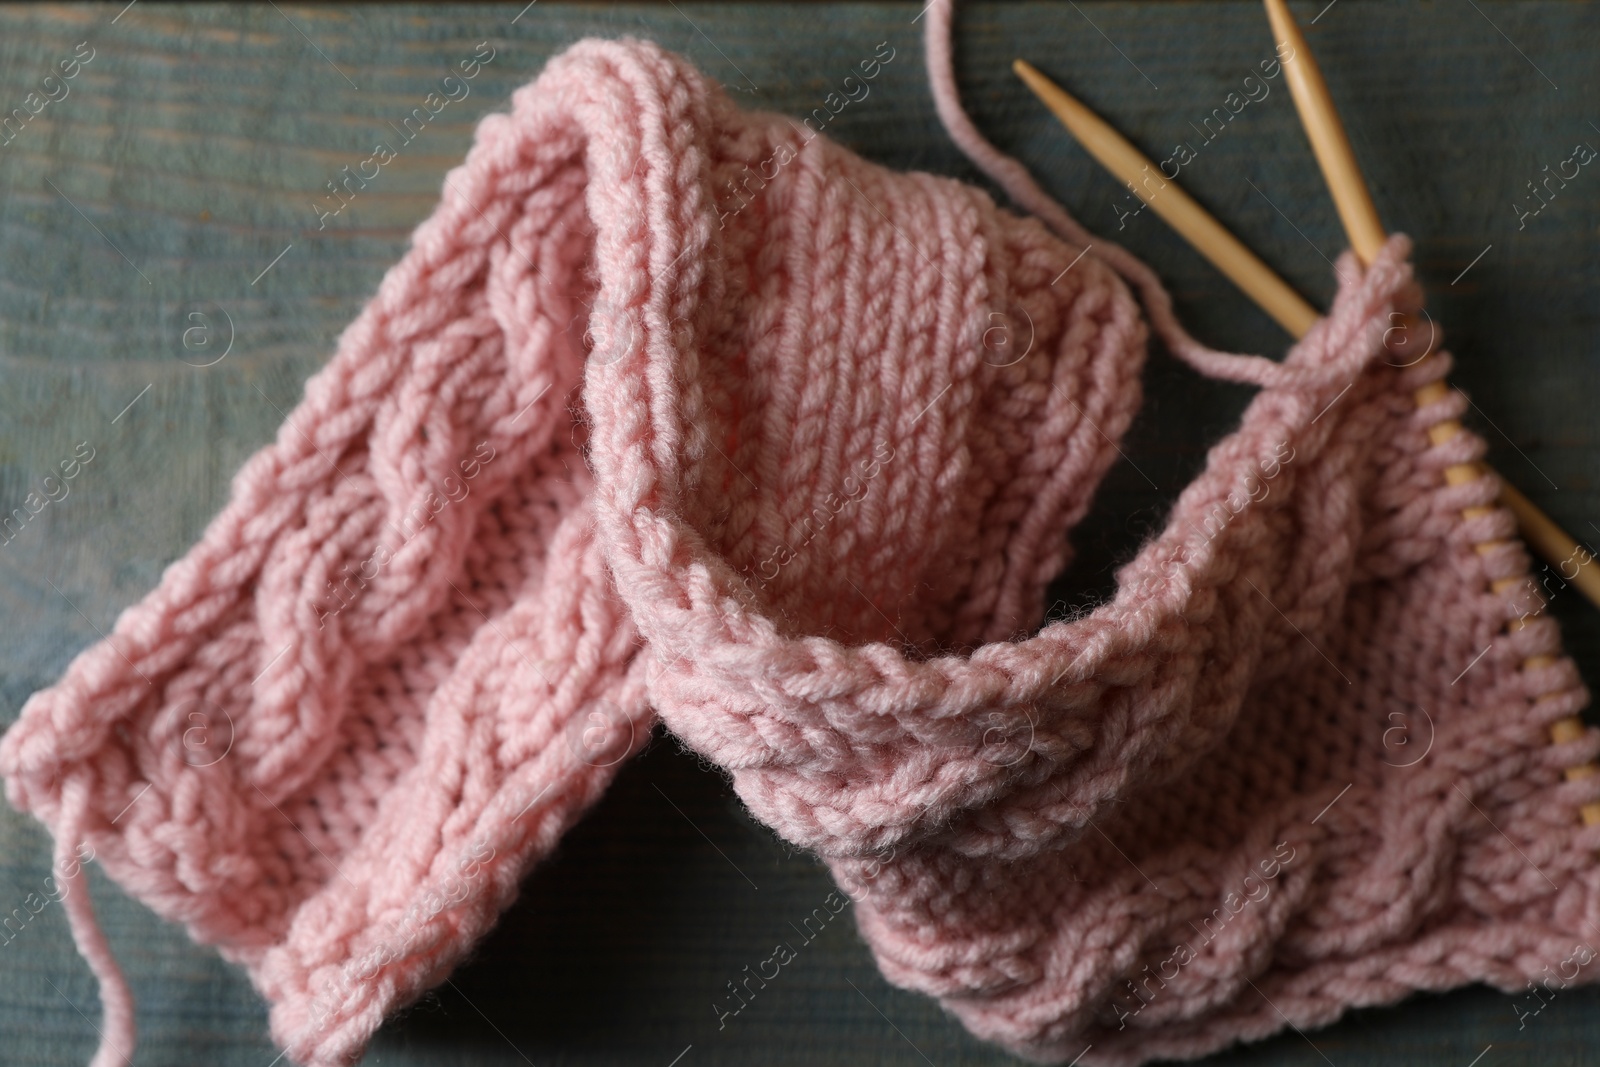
(599, 451)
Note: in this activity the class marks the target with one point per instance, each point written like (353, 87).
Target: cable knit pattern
(794, 477)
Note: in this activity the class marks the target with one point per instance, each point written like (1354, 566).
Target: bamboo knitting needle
(1270, 292)
(1362, 225)
(1280, 301)
(1287, 307)
(1265, 288)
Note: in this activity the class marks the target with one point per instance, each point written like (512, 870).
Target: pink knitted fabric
(608, 443)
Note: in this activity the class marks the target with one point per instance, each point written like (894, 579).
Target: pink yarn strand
(117, 1030)
(1019, 184)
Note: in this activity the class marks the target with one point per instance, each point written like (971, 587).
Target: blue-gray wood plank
(187, 156)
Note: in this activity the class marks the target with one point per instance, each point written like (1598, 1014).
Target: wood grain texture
(187, 156)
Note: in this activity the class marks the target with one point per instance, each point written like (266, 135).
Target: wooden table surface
(162, 211)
